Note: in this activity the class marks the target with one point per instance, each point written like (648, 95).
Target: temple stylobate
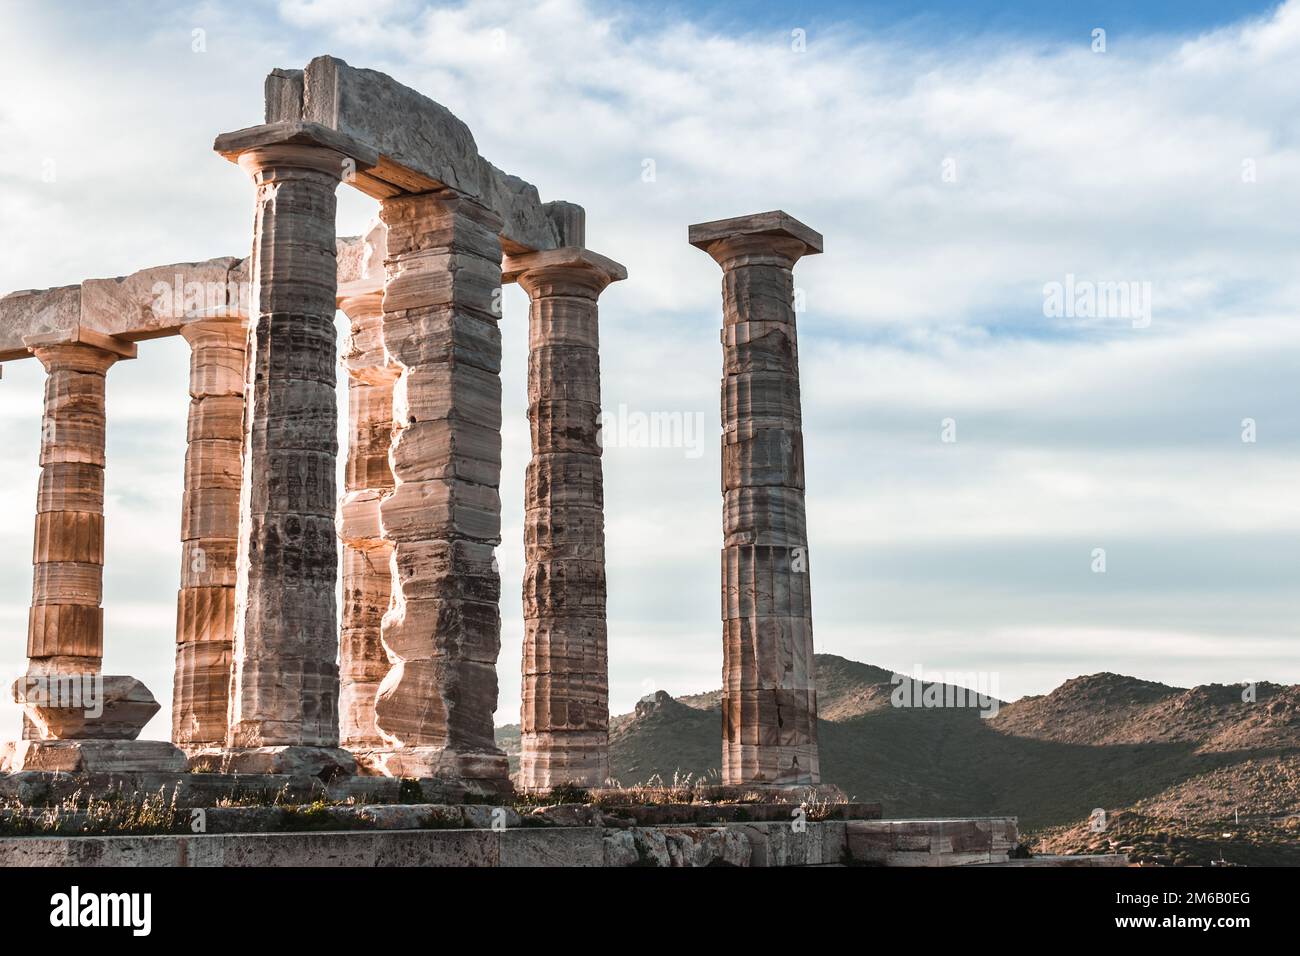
(273, 675)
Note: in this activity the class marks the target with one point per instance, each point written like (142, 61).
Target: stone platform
(771, 844)
(269, 820)
(218, 819)
(37, 788)
(956, 841)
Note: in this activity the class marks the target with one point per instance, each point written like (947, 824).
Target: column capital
(773, 235)
(230, 326)
(79, 349)
(292, 145)
(585, 268)
(362, 303)
(364, 356)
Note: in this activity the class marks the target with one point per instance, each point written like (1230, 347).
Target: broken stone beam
(283, 713)
(88, 723)
(368, 478)
(205, 605)
(565, 707)
(421, 145)
(443, 632)
(769, 699)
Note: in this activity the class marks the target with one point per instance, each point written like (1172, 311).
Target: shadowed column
(443, 633)
(368, 478)
(205, 606)
(769, 699)
(565, 706)
(283, 714)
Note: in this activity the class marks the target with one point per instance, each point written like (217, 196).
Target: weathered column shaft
(205, 605)
(65, 625)
(769, 695)
(368, 478)
(285, 684)
(65, 629)
(565, 706)
(443, 633)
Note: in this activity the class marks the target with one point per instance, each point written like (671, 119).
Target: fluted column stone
(769, 699)
(205, 605)
(565, 706)
(65, 627)
(283, 712)
(367, 556)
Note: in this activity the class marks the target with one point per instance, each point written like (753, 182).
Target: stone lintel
(778, 224)
(570, 257)
(234, 144)
(34, 312)
(146, 304)
(421, 146)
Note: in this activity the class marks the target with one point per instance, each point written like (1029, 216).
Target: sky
(975, 454)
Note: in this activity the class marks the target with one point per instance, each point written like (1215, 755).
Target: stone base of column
(320, 762)
(478, 773)
(574, 758)
(770, 765)
(92, 756)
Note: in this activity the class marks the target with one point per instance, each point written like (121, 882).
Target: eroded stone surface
(942, 842)
(309, 761)
(85, 706)
(92, 756)
(284, 691)
(440, 311)
(367, 556)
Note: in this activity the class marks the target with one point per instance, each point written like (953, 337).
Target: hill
(1183, 775)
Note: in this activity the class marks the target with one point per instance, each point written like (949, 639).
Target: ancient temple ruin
(272, 674)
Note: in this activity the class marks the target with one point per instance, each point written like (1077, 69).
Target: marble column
(565, 706)
(441, 310)
(769, 698)
(368, 478)
(283, 712)
(65, 628)
(205, 605)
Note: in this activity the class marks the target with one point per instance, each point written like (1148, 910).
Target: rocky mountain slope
(1183, 775)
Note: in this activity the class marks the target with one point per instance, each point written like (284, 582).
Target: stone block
(567, 846)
